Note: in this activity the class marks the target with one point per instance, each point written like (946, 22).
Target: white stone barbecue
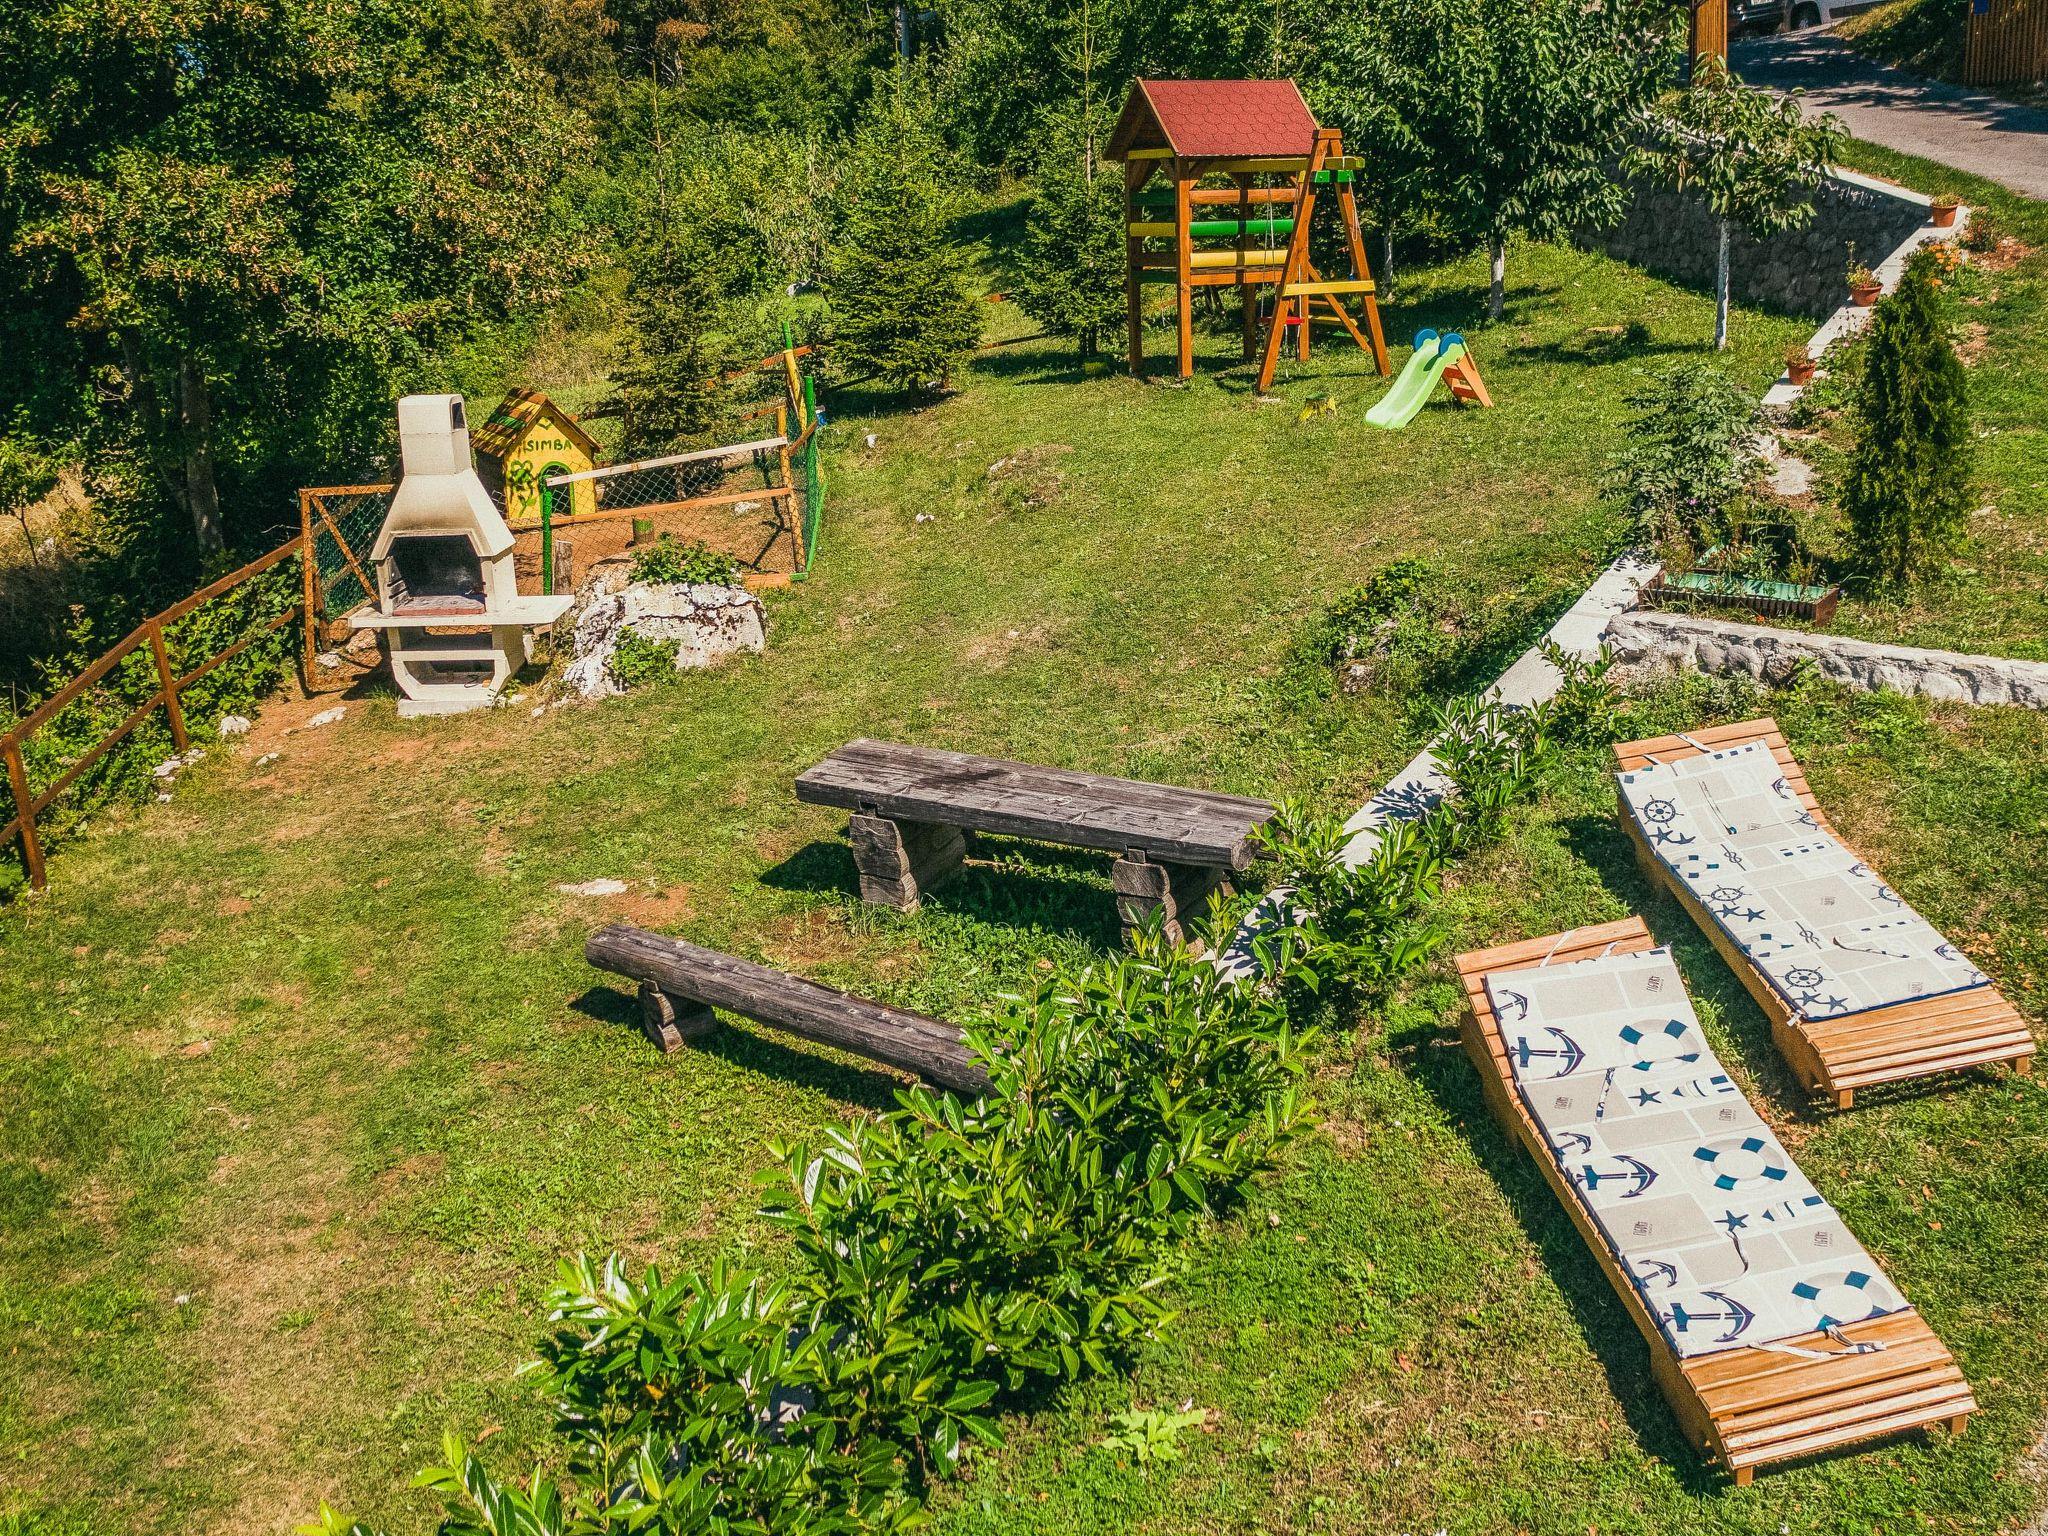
(453, 620)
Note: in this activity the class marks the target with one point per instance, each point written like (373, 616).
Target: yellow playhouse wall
(543, 445)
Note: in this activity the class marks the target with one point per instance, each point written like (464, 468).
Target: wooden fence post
(308, 583)
(25, 812)
(789, 502)
(170, 686)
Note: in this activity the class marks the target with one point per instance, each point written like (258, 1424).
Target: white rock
(327, 661)
(1652, 638)
(536, 712)
(605, 887)
(163, 799)
(707, 624)
(925, 517)
(869, 441)
(233, 725)
(326, 717)
(266, 759)
(168, 768)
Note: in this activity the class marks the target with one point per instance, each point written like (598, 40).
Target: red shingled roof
(1203, 119)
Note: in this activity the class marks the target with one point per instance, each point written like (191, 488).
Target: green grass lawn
(308, 1086)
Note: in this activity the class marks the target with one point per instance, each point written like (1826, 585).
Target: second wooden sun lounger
(1697, 1279)
(1859, 990)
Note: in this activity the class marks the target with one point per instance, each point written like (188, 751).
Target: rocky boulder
(706, 623)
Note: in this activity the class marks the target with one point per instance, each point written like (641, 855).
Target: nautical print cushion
(1825, 931)
(1723, 1237)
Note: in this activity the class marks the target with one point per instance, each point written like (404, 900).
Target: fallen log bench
(680, 984)
(912, 807)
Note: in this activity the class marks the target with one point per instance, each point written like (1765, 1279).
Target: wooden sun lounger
(1945, 1033)
(1745, 1408)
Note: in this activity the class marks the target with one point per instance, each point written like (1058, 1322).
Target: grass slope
(309, 1086)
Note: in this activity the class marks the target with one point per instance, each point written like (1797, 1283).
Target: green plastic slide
(1418, 380)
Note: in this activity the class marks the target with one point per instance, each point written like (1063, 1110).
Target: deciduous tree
(1747, 152)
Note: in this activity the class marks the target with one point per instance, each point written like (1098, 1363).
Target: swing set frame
(1187, 132)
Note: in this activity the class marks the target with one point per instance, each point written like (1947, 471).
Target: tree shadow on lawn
(1594, 347)
(804, 1065)
(1006, 883)
(1610, 1333)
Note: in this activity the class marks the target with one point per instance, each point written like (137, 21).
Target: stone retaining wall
(1674, 640)
(1800, 271)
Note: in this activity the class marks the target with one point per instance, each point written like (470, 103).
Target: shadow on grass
(1004, 884)
(1618, 344)
(803, 1064)
(1450, 1078)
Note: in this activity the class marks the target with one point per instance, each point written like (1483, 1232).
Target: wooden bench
(1945, 1033)
(680, 983)
(1751, 1407)
(912, 805)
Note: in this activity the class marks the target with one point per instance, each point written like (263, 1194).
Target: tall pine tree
(1908, 488)
(666, 375)
(1070, 267)
(900, 306)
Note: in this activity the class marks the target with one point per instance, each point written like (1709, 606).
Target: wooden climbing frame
(1197, 135)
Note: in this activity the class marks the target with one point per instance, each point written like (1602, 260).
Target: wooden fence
(2005, 42)
(170, 684)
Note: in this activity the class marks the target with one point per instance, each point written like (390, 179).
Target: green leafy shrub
(1692, 456)
(1585, 710)
(638, 660)
(1402, 627)
(1907, 491)
(956, 1252)
(1362, 926)
(1495, 756)
(670, 561)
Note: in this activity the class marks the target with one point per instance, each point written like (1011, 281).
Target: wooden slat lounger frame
(1836, 1056)
(1745, 1408)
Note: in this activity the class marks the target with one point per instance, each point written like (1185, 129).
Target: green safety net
(356, 517)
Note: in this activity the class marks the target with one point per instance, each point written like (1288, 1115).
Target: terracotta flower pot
(1943, 215)
(1800, 370)
(1863, 295)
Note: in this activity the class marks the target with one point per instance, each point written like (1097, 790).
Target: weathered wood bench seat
(912, 805)
(680, 983)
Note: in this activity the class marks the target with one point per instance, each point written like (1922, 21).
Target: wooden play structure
(1949, 1032)
(1250, 155)
(1750, 1407)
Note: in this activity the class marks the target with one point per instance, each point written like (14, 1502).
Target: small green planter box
(1771, 599)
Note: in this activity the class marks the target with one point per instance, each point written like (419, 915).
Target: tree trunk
(1497, 264)
(1387, 260)
(1721, 286)
(202, 496)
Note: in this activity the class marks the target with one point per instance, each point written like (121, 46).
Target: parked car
(1747, 17)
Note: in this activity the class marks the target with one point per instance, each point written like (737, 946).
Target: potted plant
(1799, 365)
(1864, 288)
(1941, 213)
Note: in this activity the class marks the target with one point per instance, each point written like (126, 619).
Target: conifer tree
(1908, 488)
(667, 372)
(900, 306)
(1071, 263)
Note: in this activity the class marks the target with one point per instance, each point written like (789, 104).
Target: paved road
(1954, 126)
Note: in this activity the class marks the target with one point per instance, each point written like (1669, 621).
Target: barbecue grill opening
(434, 573)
